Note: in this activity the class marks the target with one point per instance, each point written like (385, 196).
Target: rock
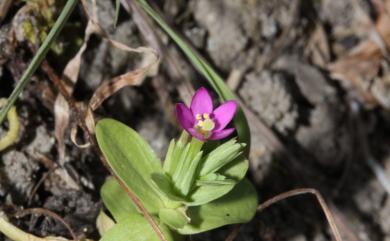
(323, 129)
(196, 35)
(269, 95)
(326, 137)
(222, 23)
(42, 143)
(152, 130)
(77, 208)
(17, 174)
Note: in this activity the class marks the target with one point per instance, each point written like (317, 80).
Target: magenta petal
(184, 116)
(201, 102)
(218, 135)
(224, 114)
(195, 134)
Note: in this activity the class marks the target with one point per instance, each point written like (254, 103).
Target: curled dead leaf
(108, 88)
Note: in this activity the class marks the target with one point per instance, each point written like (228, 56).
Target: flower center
(204, 124)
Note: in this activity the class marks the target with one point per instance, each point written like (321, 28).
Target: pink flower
(201, 121)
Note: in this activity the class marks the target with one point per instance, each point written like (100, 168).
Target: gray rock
(220, 22)
(42, 143)
(151, 129)
(18, 172)
(269, 95)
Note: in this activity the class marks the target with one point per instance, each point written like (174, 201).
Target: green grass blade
(39, 56)
(204, 68)
(117, 9)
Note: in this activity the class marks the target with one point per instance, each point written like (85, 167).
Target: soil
(275, 55)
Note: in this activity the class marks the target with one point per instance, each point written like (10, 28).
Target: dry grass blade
(301, 191)
(71, 73)
(295, 192)
(61, 107)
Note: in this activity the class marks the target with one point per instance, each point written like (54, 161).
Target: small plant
(200, 185)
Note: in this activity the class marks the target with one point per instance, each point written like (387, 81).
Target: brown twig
(49, 213)
(301, 191)
(91, 138)
(292, 193)
(38, 184)
(234, 233)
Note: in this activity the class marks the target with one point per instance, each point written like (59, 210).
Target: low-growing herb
(199, 186)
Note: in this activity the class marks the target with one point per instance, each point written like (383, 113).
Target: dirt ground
(314, 75)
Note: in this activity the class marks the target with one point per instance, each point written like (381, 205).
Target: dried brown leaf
(107, 89)
(362, 63)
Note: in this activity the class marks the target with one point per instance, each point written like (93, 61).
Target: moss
(29, 32)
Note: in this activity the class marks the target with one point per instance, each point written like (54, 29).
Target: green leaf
(135, 228)
(39, 56)
(117, 10)
(238, 206)
(221, 156)
(204, 68)
(175, 218)
(116, 200)
(187, 180)
(131, 159)
(164, 185)
(214, 179)
(175, 150)
(187, 165)
(235, 171)
(104, 223)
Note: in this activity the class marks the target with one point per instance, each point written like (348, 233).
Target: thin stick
(91, 138)
(301, 191)
(234, 233)
(51, 214)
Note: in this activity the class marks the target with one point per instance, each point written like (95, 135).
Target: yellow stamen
(204, 124)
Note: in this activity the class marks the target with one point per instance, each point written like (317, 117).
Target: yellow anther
(200, 123)
(198, 116)
(206, 116)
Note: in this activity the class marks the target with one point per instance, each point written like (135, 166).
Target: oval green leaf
(116, 200)
(238, 206)
(136, 228)
(131, 159)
